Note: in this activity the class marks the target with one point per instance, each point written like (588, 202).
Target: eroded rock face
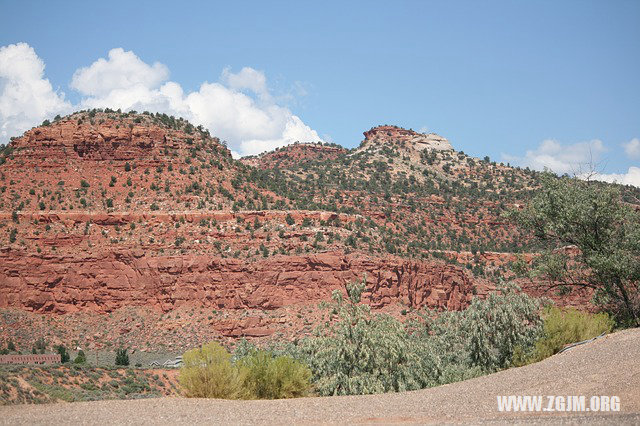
(111, 140)
(398, 135)
(111, 280)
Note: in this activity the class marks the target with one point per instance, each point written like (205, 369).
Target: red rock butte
(83, 273)
(102, 210)
(398, 135)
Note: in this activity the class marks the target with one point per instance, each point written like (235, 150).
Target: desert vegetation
(358, 352)
(46, 384)
(210, 372)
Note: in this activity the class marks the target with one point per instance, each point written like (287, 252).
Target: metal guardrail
(573, 345)
(170, 363)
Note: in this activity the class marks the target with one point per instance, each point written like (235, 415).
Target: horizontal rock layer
(107, 281)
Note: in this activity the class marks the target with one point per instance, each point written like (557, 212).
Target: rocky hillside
(97, 161)
(416, 193)
(102, 211)
(291, 155)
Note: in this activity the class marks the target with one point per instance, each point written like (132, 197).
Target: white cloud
(632, 148)
(239, 108)
(559, 158)
(632, 177)
(294, 130)
(26, 97)
(577, 159)
(247, 78)
(122, 71)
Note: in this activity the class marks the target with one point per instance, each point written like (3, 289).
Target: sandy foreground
(609, 366)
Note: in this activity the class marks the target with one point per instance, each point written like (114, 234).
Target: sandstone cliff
(110, 280)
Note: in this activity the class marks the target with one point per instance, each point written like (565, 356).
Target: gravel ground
(608, 366)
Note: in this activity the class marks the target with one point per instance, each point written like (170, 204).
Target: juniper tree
(64, 355)
(122, 358)
(81, 358)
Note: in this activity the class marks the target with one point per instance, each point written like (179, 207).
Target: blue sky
(497, 78)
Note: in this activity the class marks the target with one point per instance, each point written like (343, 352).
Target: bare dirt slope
(608, 366)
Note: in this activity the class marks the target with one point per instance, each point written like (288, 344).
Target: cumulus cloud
(246, 79)
(122, 71)
(559, 158)
(26, 97)
(632, 177)
(632, 148)
(577, 159)
(238, 108)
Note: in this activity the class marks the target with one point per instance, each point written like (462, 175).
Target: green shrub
(289, 219)
(481, 339)
(64, 355)
(40, 346)
(12, 235)
(565, 326)
(498, 324)
(363, 353)
(274, 377)
(209, 373)
(122, 358)
(81, 358)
